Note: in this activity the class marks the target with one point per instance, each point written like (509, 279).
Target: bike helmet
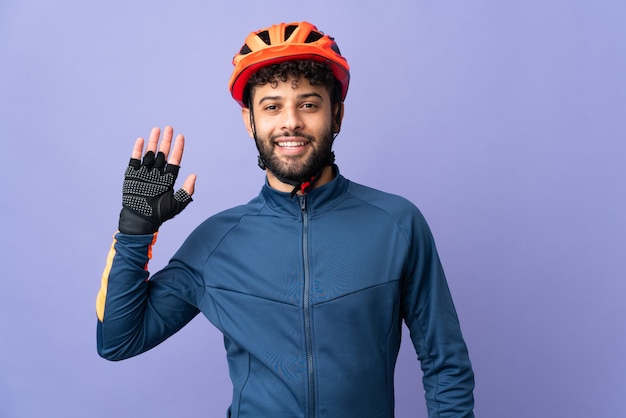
(284, 42)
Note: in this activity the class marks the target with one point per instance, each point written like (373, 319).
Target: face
(293, 122)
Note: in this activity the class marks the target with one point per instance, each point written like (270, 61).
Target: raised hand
(148, 197)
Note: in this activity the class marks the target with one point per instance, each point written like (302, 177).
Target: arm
(135, 314)
(435, 331)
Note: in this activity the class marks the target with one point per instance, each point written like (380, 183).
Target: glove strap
(133, 223)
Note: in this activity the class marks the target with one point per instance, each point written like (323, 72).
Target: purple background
(503, 121)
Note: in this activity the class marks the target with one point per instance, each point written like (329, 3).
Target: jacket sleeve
(430, 315)
(134, 313)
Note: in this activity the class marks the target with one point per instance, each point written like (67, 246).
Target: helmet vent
(289, 30)
(265, 36)
(313, 36)
(245, 49)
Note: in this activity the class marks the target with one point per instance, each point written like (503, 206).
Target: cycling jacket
(310, 293)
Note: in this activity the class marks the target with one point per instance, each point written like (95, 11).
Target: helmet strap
(303, 186)
(306, 185)
(338, 118)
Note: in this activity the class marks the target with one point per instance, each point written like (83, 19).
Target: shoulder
(393, 204)
(210, 232)
(229, 218)
(404, 213)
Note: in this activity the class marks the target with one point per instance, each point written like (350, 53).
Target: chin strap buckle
(304, 186)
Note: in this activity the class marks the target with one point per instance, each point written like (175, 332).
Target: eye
(270, 108)
(309, 106)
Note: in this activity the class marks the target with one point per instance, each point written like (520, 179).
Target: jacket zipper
(308, 337)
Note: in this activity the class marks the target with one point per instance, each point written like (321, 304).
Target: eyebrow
(300, 96)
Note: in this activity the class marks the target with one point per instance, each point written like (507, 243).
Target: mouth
(291, 144)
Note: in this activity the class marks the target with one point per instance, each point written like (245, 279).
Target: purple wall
(503, 121)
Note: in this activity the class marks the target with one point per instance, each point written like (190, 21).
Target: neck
(325, 177)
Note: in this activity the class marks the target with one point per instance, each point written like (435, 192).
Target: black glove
(148, 197)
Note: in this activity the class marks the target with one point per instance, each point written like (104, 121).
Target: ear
(245, 114)
(337, 117)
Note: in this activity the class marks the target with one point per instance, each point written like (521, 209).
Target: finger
(159, 161)
(153, 140)
(177, 151)
(190, 184)
(166, 142)
(137, 149)
(148, 160)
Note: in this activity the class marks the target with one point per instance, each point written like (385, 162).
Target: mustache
(309, 138)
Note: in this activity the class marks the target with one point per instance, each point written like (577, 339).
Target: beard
(300, 168)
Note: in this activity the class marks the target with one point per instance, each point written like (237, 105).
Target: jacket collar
(317, 200)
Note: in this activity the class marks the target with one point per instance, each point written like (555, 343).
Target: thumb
(189, 184)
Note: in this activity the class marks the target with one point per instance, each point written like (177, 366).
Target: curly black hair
(318, 73)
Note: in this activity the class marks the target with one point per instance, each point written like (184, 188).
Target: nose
(292, 119)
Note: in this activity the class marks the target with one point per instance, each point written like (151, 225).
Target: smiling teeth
(291, 144)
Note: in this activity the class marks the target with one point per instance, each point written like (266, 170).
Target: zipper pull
(302, 203)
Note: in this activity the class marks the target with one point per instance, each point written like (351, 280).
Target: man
(310, 281)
